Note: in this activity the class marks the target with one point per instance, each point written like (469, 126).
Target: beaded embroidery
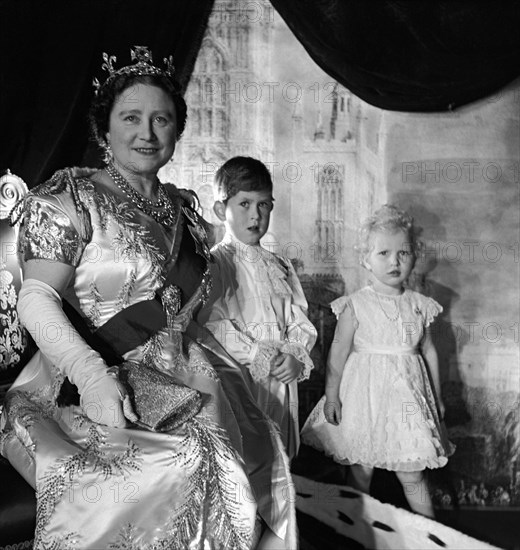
(209, 446)
(53, 484)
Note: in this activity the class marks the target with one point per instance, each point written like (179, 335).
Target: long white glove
(103, 399)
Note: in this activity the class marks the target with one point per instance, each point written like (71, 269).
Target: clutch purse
(161, 402)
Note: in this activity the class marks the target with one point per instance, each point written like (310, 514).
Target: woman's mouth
(394, 273)
(146, 151)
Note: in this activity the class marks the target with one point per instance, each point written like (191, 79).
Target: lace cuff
(265, 353)
(261, 365)
(301, 354)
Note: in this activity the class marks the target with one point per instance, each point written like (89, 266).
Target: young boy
(257, 309)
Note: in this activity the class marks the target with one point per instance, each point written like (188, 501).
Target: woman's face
(142, 129)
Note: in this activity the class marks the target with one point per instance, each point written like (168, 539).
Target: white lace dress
(389, 412)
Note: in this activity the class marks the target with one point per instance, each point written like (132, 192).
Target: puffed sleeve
(430, 309)
(344, 305)
(301, 333)
(48, 231)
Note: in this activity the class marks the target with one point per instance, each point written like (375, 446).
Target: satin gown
(202, 485)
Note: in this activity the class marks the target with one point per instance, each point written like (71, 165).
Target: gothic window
(210, 82)
(195, 122)
(330, 210)
(205, 193)
(222, 124)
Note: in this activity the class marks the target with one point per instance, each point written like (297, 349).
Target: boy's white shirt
(256, 308)
(256, 299)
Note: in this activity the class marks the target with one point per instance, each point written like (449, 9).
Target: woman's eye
(130, 118)
(162, 121)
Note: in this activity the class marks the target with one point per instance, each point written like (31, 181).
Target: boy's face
(247, 215)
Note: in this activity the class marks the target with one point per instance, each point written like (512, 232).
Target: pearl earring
(109, 156)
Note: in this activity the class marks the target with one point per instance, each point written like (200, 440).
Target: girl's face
(390, 260)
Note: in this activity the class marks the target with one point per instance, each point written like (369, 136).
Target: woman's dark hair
(103, 102)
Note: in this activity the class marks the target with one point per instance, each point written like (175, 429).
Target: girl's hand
(332, 410)
(286, 368)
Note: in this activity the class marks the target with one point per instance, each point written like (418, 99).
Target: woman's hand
(286, 368)
(105, 401)
(332, 410)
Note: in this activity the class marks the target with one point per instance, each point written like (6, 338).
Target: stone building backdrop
(334, 160)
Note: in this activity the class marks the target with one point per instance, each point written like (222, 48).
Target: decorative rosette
(12, 190)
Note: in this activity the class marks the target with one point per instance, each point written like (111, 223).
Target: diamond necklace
(397, 308)
(161, 211)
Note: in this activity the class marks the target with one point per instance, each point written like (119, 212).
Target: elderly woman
(115, 264)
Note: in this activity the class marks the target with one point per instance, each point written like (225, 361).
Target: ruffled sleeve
(430, 311)
(48, 232)
(342, 304)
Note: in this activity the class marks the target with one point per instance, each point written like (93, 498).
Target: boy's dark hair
(241, 174)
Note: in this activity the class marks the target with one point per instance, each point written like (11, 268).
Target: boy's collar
(229, 238)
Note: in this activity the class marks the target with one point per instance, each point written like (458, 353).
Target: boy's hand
(332, 410)
(286, 368)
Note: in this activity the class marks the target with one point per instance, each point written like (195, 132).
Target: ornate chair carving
(17, 500)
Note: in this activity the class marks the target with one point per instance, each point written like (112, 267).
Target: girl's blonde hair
(389, 218)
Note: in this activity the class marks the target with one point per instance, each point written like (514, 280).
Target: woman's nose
(146, 131)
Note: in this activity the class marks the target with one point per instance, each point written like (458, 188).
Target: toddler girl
(379, 408)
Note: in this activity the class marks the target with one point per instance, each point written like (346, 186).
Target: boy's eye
(245, 204)
(266, 205)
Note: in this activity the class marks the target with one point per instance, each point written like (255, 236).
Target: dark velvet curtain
(411, 55)
(50, 52)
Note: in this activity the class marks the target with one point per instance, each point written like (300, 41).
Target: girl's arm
(338, 355)
(430, 356)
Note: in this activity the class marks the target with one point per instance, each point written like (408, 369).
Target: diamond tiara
(143, 65)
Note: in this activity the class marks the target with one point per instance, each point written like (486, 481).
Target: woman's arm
(338, 355)
(55, 274)
(103, 399)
